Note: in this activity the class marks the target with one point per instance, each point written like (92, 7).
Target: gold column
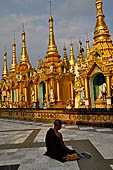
(72, 95)
(25, 95)
(38, 92)
(17, 95)
(58, 91)
(86, 92)
(47, 91)
(86, 88)
(108, 82)
(11, 98)
(108, 86)
(35, 93)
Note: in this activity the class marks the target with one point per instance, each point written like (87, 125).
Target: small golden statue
(51, 96)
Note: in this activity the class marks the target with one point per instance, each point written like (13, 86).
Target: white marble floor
(32, 158)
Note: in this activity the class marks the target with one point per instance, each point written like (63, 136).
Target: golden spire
(14, 62)
(87, 48)
(24, 55)
(52, 48)
(72, 60)
(65, 55)
(101, 30)
(5, 69)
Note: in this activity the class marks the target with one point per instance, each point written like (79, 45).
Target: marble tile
(71, 127)
(66, 139)
(73, 165)
(55, 168)
(24, 167)
(30, 154)
(37, 123)
(86, 128)
(33, 158)
(70, 137)
(13, 162)
(3, 151)
(54, 163)
(103, 130)
(47, 125)
(4, 162)
(27, 160)
(111, 166)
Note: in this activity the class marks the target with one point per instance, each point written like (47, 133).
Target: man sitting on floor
(56, 148)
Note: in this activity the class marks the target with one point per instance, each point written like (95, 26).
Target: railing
(96, 117)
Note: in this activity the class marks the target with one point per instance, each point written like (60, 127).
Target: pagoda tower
(52, 57)
(24, 55)
(72, 60)
(101, 30)
(96, 69)
(102, 42)
(14, 61)
(65, 61)
(5, 69)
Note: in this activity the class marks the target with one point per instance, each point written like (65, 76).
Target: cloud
(73, 20)
(75, 8)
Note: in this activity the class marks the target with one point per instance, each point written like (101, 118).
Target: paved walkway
(22, 145)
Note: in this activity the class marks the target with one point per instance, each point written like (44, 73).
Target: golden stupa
(67, 83)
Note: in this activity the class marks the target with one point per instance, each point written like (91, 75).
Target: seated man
(56, 148)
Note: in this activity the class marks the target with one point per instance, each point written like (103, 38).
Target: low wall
(96, 117)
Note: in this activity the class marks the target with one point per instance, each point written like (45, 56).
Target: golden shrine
(67, 83)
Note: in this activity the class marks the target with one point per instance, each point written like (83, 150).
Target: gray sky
(73, 19)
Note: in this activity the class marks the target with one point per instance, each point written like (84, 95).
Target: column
(108, 83)
(72, 95)
(17, 96)
(11, 98)
(46, 91)
(35, 93)
(86, 92)
(58, 91)
(25, 95)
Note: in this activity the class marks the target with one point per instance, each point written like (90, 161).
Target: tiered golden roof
(52, 48)
(101, 29)
(24, 55)
(102, 42)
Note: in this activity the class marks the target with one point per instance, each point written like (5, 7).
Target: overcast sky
(73, 19)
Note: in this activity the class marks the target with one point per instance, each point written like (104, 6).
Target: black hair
(57, 122)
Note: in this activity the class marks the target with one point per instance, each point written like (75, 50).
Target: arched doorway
(42, 92)
(96, 85)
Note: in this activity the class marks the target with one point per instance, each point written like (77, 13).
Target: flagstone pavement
(22, 146)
